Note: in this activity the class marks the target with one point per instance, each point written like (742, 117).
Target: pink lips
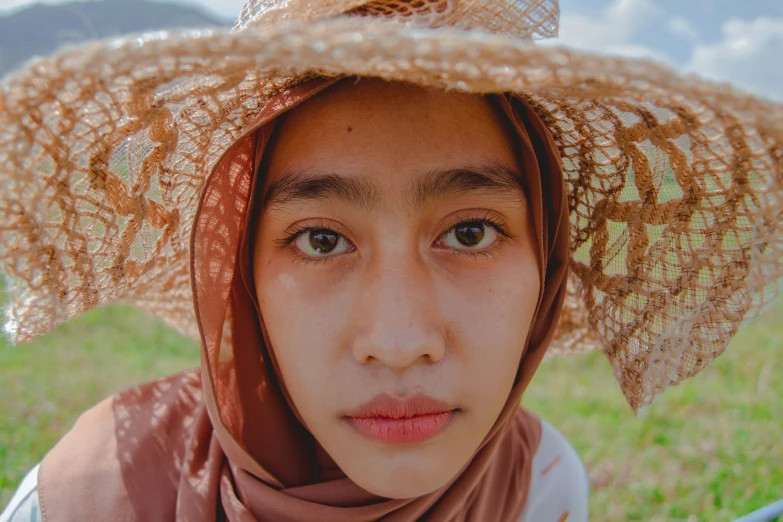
(396, 421)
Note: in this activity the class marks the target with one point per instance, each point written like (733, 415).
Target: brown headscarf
(226, 442)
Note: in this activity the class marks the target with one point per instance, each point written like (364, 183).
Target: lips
(401, 421)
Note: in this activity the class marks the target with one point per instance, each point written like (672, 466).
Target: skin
(400, 304)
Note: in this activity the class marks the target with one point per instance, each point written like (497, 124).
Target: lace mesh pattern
(525, 19)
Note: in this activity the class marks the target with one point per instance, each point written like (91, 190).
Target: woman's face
(397, 275)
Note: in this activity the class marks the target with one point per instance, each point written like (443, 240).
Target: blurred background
(710, 449)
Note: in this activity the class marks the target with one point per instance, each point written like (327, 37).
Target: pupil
(323, 241)
(470, 234)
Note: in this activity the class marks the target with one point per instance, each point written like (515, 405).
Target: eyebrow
(491, 179)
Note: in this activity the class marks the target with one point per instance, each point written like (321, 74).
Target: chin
(400, 487)
(392, 480)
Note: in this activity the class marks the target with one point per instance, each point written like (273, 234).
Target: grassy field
(711, 449)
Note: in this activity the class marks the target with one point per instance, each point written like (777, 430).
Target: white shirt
(559, 488)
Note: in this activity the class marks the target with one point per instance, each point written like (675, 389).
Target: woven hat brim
(676, 184)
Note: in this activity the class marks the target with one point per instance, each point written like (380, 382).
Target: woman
(377, 266)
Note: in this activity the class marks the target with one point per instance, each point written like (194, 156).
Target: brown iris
(324, 241)
(469, 234)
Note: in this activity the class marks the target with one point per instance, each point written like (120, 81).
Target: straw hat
(676, 184)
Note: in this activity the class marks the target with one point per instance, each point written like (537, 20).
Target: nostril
(399, 349)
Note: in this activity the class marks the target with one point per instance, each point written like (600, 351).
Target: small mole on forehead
(350, 129)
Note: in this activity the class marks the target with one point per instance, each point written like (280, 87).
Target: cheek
(306, 327)
(491, 314)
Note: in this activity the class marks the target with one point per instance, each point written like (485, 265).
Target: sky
(727, 40)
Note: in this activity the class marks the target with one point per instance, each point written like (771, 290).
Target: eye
(321, 242)
(471, 235)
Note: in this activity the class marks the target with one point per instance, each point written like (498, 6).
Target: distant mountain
(40, 29)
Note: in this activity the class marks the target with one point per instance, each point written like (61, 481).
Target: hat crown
(525, 19)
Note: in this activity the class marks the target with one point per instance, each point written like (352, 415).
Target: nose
(399, 323)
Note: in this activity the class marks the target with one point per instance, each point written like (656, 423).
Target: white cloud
(611, 31)
(749, 56)
(682, 27)
(226, 9)
(12, 5)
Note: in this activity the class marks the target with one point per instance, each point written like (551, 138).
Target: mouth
(401, 421)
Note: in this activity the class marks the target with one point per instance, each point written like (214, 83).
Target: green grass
(710, 449)
(48, 383)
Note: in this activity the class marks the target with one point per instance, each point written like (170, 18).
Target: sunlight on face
(396, 271)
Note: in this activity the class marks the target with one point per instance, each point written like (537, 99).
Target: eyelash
(487, 220)
(297, 230)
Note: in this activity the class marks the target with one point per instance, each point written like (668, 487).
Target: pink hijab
(225, 442)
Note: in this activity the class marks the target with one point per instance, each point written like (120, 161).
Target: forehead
(388, 131)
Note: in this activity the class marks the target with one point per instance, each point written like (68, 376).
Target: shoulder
(559, 488)
(88, 458)
(130, 416)
(24, 504)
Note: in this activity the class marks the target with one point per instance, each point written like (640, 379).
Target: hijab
(225, 441)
